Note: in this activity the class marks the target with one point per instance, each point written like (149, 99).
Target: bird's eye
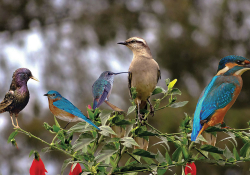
(240, 62)
(133, 41)
(53, 95)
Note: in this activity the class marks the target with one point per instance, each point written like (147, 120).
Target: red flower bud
(37, 166)
(89, 107)
(190, 169)
(76, 171)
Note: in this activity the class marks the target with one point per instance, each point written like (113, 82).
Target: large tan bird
(144, 72)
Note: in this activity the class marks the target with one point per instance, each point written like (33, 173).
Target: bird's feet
(224, 126)
(152, 111)
(141, 118)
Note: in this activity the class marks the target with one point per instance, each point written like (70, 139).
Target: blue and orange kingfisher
(220, 94)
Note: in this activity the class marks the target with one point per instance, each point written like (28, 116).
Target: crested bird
(102, 87)
(18, 96)
(64, 109)
(220, 94)
(144, 73)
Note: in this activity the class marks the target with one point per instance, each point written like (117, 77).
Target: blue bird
(220, 94)
(102, 87)
(64, 109)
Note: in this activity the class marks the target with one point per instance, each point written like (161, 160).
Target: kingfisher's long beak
(123, 43)
(120, 73)
(46, 95)
(34, 78)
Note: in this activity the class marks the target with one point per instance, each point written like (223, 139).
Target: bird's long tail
(89, 121)
(196, 129)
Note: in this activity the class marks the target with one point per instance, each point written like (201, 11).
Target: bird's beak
(123, 43)
(46, 95)
(34, 78)
(120, 73)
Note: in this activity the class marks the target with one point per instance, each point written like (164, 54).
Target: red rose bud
(89, 107)
(190, 169)
(37, 166)
(76, 171)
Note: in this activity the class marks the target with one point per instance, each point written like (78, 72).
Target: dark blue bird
(64, 109)
(102, 87)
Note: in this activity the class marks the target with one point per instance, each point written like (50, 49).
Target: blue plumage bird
(102, 87)
(220, 94)
(64, 109)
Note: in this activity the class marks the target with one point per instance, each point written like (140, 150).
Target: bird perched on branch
(65, 110)
(220, 94)
(144, 72)
(18, 96)
(101, 89)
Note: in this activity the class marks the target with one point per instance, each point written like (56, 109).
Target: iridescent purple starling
(18, 96)
(102, 87)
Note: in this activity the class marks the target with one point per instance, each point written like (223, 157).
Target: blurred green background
(68, 43)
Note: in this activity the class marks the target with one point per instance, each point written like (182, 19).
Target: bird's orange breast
(61, 114)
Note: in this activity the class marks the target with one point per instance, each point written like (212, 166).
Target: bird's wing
(217, 98)
(216, 95)
(158, 74)
(98, 100)
(129, 82)
(8, 99)
(67, 106)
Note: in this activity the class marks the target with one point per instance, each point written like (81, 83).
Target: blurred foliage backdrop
(68, 43)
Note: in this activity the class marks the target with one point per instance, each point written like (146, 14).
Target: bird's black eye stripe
(240, 62)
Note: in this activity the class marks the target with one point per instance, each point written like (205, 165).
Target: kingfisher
(65, 110)
(102, 87)
(220, 94)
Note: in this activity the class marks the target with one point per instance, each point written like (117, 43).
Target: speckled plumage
(221, 93)
(17, 97)
(65, 110)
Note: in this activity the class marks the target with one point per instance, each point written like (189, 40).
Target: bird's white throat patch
(241, 71)
(222, 71)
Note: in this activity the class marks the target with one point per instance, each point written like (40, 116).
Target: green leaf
(46, 149)
(161, 171)
(143, 153)
(56, 128)
(216, 156)
(185, 152)
(106, 152)
(84, 139)
(178, 104)
(244, 151)
(131, 109)
(158, 90)
(91, 114)
(227, 153)
(106, 130)
(12, 136)
(167, 81)
(175, 91)
(31, 152)
(149, 161)
(56, 122)
(104, 116)
(129, 142)
(168, 159)
(171, 84)
(65, 164)
(177, 154)
(210, 148)
(133, 92)
(236, 155)
(159, 157)
(81, 127)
